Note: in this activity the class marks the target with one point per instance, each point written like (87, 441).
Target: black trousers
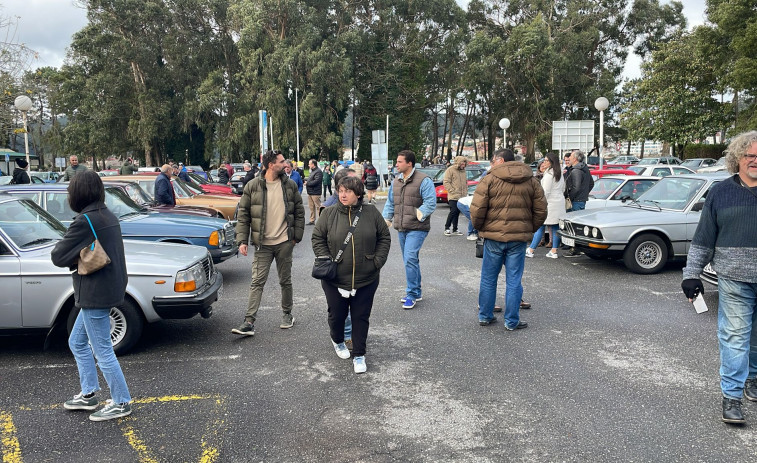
(359, 306)
(327, 187)
(454, 214)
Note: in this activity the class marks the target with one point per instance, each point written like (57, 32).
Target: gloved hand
(692, 287)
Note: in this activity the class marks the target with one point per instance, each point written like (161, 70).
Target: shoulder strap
(92, 246)
(349, 234)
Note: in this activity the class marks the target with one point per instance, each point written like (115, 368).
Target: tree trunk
(642, 149)
(435, 132)
(451, 110)
(628, 148)
(444, 133)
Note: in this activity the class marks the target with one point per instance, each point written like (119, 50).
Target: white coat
(553, 191)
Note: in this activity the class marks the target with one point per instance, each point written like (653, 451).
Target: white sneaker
(341, 350)
(447, 232)
(529, 252)
(471, 237)
(552, 255)
(358, 363)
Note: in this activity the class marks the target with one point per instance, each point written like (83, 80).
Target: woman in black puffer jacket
(358, 268)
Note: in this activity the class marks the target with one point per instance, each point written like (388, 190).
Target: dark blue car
(217, 235)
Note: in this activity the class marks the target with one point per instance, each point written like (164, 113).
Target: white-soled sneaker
(358, 364)
(552, 255)
(341, 350)
(529, 252)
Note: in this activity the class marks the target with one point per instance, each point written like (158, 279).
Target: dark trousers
(327, 187)
(454, 214)
(358, 306)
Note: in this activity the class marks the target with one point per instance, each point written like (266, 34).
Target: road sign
(60, 162)
(572, 135)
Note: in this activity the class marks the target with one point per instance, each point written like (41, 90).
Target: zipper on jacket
(349, 216)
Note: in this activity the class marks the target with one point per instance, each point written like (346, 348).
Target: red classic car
(441, 192)
(207, 188)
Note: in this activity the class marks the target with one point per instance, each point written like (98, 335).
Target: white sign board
(380, 158)
(378, 136)
(60, 162)
(263, 132)
(572, 135)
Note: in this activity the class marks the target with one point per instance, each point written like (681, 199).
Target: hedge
(703, 151)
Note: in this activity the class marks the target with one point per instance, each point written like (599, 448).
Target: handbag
(93, 257)
(568, 204)
(324, 267)
(480, 248)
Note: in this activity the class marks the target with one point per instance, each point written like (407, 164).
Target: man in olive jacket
(508, 207)
(271, 216)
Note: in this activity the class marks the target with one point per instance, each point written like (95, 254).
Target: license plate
(568, 241)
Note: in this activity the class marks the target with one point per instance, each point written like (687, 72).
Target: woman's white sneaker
(359, 364)
(529, 252)
(341, 350)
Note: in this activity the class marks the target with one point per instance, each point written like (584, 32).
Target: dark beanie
(21, 163)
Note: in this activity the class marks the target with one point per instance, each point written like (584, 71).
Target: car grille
(229, 234)
(576, 229)
(207, 266)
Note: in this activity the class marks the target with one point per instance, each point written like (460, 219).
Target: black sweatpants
(454, 214)
(359, 306)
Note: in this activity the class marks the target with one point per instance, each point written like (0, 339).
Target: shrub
(703, 151)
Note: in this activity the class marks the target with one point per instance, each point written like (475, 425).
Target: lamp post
(23, 103)
(601, 104)
(504, 123)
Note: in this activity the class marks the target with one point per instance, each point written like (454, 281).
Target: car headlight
(190, 279)
(561, 222)
(586, 230)
(216, 238)
(595, 232)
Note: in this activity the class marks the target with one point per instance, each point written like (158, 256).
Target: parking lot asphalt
(613, 367)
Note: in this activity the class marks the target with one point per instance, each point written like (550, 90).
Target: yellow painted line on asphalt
(173, 398)
(11, 449)
(210, 452)
(143, 453)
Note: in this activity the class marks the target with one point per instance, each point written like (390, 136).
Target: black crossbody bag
(324, 267)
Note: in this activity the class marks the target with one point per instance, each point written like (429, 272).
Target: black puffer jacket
(314, 185)
(106, 287)
(366, 252)
(578, 182)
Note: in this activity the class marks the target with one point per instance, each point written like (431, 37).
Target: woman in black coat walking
(95, 293)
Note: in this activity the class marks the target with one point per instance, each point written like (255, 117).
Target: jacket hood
(581, 166)
(459, 159)
(513, 172)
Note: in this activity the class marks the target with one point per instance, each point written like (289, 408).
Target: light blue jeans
(410, 244)
(496, 254)
(540, 233)
(348, 327)
(466, 212)
(578, 206)
(91, 334)
(737, 335)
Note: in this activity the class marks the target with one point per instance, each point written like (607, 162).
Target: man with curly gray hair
(726, 237)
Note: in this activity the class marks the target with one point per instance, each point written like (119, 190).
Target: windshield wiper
(37, 241)
(656, 203)
(128, 214)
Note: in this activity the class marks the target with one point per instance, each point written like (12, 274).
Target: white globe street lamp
(504, 123)
(601, 104)
(23, 103)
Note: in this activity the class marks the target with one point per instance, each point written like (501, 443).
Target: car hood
(142, 258)
(170, 224)
(623, 216)
(218, 199)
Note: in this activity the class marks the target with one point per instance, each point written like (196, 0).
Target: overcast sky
(46, 26)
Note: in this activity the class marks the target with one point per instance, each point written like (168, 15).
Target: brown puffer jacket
(508, 204)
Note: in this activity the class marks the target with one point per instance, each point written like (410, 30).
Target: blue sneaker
(408, 303)
(417, 300)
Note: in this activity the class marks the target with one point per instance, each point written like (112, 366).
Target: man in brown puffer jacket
(456, 184)
(508, 207)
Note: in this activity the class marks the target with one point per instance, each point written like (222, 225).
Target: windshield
(638, 170)
(672, 193)
(649, 161)
(721, 162)
(27, 225)
(197, 178)
(692, 163)
(188, 189)
(137, 194)
(120, 204)
(604, 187)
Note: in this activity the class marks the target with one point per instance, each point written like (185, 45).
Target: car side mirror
(698, 206)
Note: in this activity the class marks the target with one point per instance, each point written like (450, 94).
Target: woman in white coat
(553, 184)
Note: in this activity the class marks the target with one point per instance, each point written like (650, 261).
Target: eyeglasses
(750, 157)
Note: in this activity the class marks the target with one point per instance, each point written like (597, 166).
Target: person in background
(95, 293)
(456, 184)
(409, 205)
(578, 185)
(371, 181)
(229, 170)
(128, 168)
(20, 175)
(272, 218)
(314, 187)
(327, 181)
(727, 238)
(73, 169)
(358, 268)
(357, 166)
(293, 175)
(164, 194)
(182, 173)
(224, 175)
(250, 174)
(553, 184)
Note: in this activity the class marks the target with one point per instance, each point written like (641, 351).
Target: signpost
(380, 153)
(572, 135)
(263, 131)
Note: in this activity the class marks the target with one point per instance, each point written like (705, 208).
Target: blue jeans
(578, 206)
(466, 212)
(91, 334)
(348, 328)
(410, 244)
(737, 335)
(513, 256)
(540, 233)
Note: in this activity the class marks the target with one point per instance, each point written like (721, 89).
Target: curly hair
(737, 149)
